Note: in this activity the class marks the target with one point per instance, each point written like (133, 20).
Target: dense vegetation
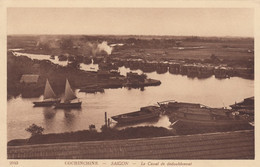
(232, 50)
(17, 66)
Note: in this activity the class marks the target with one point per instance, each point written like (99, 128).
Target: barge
(145, 113)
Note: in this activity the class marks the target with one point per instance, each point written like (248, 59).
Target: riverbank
(201, 68)
(190, 68)
(93, 135)
(115, 134)
(199, 57)
(17, 66)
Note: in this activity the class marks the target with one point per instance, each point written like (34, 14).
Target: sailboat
(49, 97)
(69, 97)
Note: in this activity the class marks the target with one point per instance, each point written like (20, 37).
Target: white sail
(69, 94)
(48, 92)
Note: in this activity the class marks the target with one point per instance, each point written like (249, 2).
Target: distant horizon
(131, 35)
(208, 22)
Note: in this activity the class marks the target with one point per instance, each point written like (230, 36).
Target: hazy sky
(132, 21)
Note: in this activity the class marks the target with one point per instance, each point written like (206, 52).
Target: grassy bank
(87, 135)
(115, 134)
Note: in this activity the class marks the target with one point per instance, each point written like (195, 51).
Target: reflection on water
(49, 117)
(70, 117)
(85, 67)
(42, 57)
(48, 113)
(210, 92)
(89, 67)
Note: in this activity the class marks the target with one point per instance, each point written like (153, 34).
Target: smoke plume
(105, 47)
(96, 48)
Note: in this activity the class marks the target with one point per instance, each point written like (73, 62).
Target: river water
(211, 92)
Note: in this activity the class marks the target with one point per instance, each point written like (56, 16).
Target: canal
(211, 92)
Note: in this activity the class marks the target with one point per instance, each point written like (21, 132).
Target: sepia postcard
(129, 83)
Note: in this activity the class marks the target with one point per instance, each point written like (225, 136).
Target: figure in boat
(49, 97)
(70, 100)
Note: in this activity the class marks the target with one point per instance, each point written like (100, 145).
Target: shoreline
(56, 74)
(192, 68)
(111, 134)
(192, 56)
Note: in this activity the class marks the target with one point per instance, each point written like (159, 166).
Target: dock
(220, 145)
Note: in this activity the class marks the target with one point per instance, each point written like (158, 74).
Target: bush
(35, 130)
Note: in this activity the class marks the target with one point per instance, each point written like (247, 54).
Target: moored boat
(191, 126)
(193, 123)
(205, 118)
(49, 97)
(92, 89)
(145, 113)
(45, 103)
(170, 106)
(189, 118)
(69, 99)
(68, 105)
(247, 103)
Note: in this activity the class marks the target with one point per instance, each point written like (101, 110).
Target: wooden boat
(49, 97)
(145, 113)
(211, 123)
(170, 106)
(205, 118)
(69, 99)
(92, 89)
(248, 103)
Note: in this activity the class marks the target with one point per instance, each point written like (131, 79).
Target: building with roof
(29, 79)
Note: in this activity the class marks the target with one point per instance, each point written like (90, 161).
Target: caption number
(13, 163)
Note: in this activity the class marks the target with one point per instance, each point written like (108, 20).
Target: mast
(48, 92)
(69, 94)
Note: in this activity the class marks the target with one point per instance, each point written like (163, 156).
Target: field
(148, 47)
(235, 53)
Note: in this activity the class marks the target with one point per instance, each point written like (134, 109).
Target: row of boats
(186, 115)
(191, 115)
(180, 113)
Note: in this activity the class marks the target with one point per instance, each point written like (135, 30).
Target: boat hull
(121, 119)
(237, 107)
(212, 123)
(45, 103)
(149, 121)
(183, 126)
(136, 119)
(68, 105)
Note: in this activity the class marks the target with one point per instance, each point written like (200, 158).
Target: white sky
(132, 21)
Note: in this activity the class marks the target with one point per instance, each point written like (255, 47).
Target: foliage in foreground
(88, 135)
(35, 130)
